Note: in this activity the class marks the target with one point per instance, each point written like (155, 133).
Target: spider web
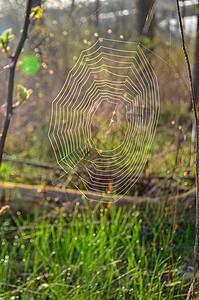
(104, 119)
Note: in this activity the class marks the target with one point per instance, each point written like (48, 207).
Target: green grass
(102, 254)
(106, 254)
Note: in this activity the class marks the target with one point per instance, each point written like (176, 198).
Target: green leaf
(6, 36)
(4, 41)
(3, 166)
(36, 12)
(22, 95)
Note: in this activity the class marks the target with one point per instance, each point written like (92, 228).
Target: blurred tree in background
(146, 18)
(68, 27)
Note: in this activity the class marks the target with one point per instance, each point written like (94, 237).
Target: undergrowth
(95, 254)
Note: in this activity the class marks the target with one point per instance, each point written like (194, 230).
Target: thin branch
(11, 78)
(194, 105)
(32, 164)
(55, 168)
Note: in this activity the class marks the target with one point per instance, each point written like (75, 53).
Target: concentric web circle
(104, 119)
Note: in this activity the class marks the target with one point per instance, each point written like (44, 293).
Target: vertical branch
(194, 105)
(12, 68)
(196, 60)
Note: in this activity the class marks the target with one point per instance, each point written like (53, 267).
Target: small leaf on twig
(22, 95)
(36, 12)
(5, 38)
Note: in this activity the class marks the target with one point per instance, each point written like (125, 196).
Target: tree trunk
(72, 5)
(146, 18)
(97, 13)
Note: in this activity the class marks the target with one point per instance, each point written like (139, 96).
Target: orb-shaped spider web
(104, 119)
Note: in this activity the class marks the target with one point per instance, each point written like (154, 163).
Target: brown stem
(194, 105)
(11, 79)
(196, 61)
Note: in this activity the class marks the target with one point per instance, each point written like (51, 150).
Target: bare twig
(4, 209)
(194, 103)
(32, 164)
(56, 168)
(12, 68)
